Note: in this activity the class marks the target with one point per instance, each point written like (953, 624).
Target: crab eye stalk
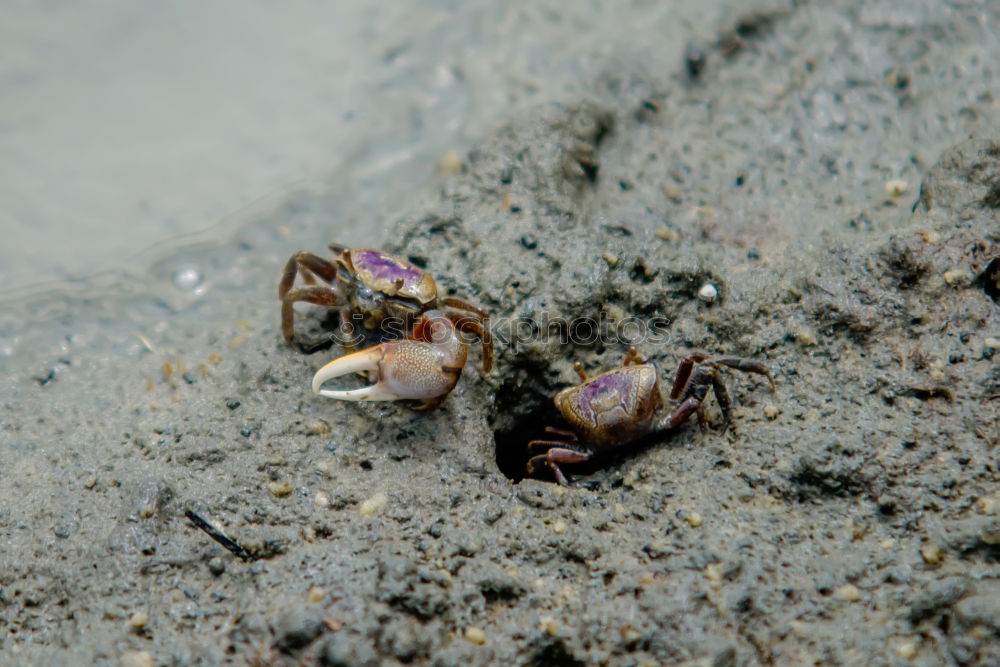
(369, 299)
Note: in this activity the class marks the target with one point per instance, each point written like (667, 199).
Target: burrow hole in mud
(538, 411)
(512, 444)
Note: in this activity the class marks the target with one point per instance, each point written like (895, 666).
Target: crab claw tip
(358, 362)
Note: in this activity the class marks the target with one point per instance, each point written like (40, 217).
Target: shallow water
(124, 127)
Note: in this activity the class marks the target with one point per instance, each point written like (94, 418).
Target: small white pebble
(137, 659)
(694, 519)
(667, 234)
(138, 620)
(559, 527)
(475, 635)
(279, 489)
(322, 499)
(771, 411)
(932, 554)
(955, 277)
(548, 625)
(708, 293)
(373, 505)
(992, 343)
(805, 337)
(317, 427)
(848, 593)
(896, 187)
(907, 650)
(316, 594)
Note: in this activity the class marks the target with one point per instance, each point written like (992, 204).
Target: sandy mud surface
(833, 170)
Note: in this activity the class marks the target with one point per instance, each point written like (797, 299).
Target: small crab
(424, 367)
(377, 286)
(619, 407)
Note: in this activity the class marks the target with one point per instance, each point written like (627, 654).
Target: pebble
(559, 527)
(896, 187)
(694, 519)
(322, 499)
(137, 659)
(673, 193)
(317, 427)
(316, 594)
(907, 650)
(138, 621)
(955, 277)
(373, 505)
(932, 554)
(548, 625)
(667, 234)
(217, 566)
(805, 337)
(279, 489)
(847, 593)
(771, 411)
(708, 293)
(475, 635)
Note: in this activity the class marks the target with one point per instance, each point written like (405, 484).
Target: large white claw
(423, 368)
(358, 362)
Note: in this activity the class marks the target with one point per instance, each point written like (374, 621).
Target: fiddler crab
(619, 407)
(381, 288)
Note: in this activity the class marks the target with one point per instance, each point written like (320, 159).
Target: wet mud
(842, 199)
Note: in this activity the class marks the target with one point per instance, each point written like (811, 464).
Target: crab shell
(613, 408)
(390, 275)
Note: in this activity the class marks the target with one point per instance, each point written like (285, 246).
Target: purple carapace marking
(620, 383)
(384, 267)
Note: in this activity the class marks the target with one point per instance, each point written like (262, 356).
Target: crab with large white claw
(424, 367)
(379, 288)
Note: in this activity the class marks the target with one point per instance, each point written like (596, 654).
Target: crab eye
(370, 299)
